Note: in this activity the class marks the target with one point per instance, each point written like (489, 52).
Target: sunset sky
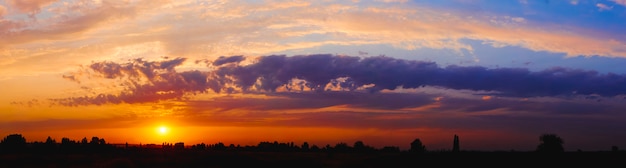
(497, 73)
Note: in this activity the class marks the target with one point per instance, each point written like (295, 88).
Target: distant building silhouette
(151, 146)
(179, 145)
(200, 146)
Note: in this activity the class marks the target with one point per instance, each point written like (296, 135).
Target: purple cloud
(148, 81)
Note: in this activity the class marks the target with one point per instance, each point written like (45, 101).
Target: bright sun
(162, 130)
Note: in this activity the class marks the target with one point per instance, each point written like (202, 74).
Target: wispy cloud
(392, 1)
(620, 2)
(603, 7)
(3, 11)
(31, 7)
(90, 30)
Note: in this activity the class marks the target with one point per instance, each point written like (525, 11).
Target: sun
(162, 130)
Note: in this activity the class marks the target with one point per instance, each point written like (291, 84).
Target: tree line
(549, 143)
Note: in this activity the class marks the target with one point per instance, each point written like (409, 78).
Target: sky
(496, 73)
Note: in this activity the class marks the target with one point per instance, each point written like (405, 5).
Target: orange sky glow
(384, 72)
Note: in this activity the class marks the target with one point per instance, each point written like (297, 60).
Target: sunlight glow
(162, 130)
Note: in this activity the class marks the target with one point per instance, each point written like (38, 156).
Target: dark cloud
(319, 70)
(136, 68)
(523, 83)
(70, 77)
(148, 81)
(224, 60)
(389, 73)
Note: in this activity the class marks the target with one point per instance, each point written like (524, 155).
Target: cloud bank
(148, 81)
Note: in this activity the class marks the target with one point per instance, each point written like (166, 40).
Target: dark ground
(209, 158)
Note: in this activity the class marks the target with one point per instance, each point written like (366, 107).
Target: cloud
(72, 18)
(393, 1)
(603, 7)
(525, 2)
(29, 6)
(144, 81)
(3, 11)
(389, 73)
(116, 30)
(135, 69)
(620, 2)
(224, 60)
(149, 81)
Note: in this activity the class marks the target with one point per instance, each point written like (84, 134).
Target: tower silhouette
(455, 147)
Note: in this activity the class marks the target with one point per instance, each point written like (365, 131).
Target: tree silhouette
(305, 146)
(359, 146)
(94, 141)
(68, 145)
(65, 141)
(315, 148)
(417, 146)
(13, 142)
(49, 140)
(550, 143)
(342, 147)
(50, 144)
(84, 141)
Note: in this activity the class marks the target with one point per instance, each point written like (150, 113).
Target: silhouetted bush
(342, 147)
(417, 146)
(550, 143)
(360, 147)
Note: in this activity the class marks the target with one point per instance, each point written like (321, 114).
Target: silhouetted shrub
(417, 146)
(550, 143)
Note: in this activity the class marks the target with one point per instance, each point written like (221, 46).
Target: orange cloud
(29, 6)
(3, 11)
(486, 97)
